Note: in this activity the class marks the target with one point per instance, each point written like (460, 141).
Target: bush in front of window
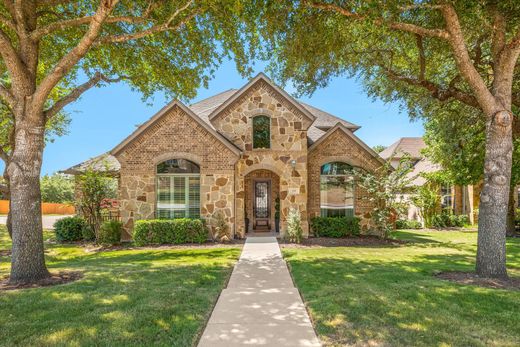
(169, 231)
(70, 229)
(335, 226)
(110, 232)
(407, 224)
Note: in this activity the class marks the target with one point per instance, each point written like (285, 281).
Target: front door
(262, 191)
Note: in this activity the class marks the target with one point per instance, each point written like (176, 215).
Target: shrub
(70, 228)
(294, 227)
(446, 220)
(169, 231)
(110, 232)
(221, 231)
(88, 233)
(517, 218)
(407, 224)
(335, 226)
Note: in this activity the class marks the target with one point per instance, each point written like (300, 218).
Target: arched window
(178, 189)
(336, 190)
(261, 132)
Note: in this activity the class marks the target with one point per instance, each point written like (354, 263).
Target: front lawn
(126, 297)
(388, 296)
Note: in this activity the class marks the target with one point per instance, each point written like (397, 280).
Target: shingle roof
(410, 145)
(102, 163)
(203, 108)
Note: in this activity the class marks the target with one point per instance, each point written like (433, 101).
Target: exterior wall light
(293, 163)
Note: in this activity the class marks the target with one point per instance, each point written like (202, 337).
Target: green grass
(387, 296)
(127, 297)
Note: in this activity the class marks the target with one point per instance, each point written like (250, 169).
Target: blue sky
(103, 117)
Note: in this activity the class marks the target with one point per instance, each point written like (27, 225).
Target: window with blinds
(178, 194)
(336, 190)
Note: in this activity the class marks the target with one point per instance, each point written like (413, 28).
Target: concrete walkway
(260, 306)
(47, 220)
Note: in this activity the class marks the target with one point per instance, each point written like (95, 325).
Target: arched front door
(262, 204)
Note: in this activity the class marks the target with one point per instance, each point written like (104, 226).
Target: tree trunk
(494, 199)
(27, 260)
(511, 212)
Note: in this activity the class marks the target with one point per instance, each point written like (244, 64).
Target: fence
(47, 208)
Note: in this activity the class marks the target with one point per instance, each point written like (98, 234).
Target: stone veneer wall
(175, 135)
(249, 197)
(340, 147)
(288, 143)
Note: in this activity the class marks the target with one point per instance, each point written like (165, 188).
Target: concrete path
(260, 306)
(47, 220)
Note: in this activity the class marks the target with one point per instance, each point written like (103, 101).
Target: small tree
(95, 187)
(294, 226)
(58, 188)
(427, 201)
(221, 230)
(385, 187)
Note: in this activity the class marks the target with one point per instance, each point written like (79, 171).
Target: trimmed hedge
(407, 224)
(335, 226)
(70, 229)
(169, 231)
(110, 232)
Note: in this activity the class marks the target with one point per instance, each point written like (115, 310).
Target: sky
(103, 117)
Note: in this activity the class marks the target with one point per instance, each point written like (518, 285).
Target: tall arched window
(261, 132)
(336, 190)
(178, 189)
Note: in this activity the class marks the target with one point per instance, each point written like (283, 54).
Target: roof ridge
(212, 96)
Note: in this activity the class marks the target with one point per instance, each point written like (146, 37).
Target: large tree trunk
(27, 260)
(511, 212)
(494, 200)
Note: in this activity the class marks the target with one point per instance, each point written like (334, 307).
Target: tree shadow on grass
(149, 298)
(399, 302)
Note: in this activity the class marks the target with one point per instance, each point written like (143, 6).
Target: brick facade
(175, 135)
(338, 146)
(228, 162)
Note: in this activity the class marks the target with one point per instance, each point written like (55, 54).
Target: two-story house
(239, 153)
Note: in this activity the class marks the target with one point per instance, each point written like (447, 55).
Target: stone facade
(221, 144)
(175, 135)
(340, 147)
(287, 156)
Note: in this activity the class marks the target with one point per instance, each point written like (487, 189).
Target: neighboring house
(235, 153)
(455, 199)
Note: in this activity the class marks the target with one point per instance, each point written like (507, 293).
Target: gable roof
(409, 145)
(160, 114)
(262, 77)
(350, 134)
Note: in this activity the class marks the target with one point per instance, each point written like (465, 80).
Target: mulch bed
(360, 241)
(471, 278)
(61, 277)
(231, 244)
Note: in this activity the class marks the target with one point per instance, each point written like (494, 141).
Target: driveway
(47, 220)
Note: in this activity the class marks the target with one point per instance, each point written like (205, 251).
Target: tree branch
(40, 32)
(7, 22)
(6, 95)
(407, 27)
(464, 63)
(152, 30)
(437, 91)
(70, 59)
(12, 61)
(76, 93)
